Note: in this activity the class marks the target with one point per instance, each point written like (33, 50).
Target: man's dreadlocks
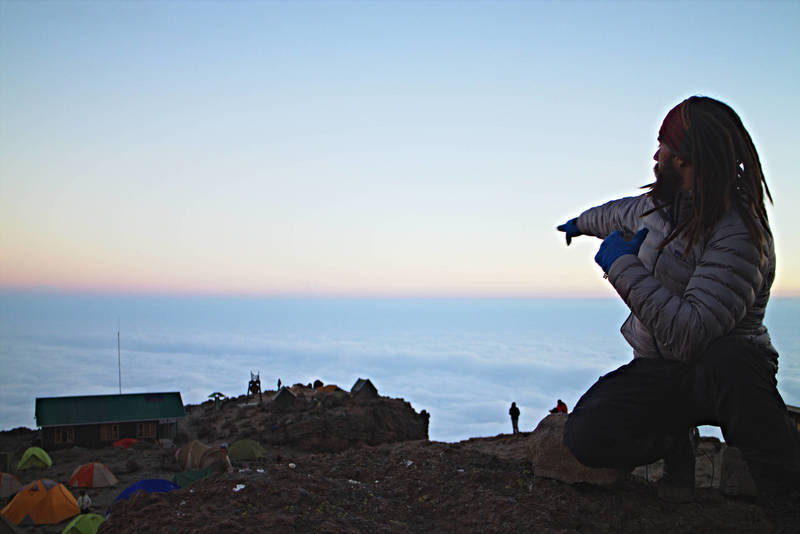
(727, 170)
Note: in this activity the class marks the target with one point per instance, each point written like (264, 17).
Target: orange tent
(41, 502)
(9, 485)
(92, 475)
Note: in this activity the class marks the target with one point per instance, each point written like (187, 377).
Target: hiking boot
(677, 484)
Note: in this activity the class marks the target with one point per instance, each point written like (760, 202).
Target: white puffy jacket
(681, 303)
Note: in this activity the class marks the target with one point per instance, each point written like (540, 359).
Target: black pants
(634, 414)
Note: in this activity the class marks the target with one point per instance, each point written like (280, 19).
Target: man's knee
(581, 438)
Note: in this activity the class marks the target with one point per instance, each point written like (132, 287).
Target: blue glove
(615, 246)
(571, 229)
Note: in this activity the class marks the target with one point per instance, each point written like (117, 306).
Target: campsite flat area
(477, 485)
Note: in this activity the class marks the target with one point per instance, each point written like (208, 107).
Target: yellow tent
(246, 449)
(84, 524)
(34, 457)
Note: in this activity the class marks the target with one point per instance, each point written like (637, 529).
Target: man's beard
(668, 183)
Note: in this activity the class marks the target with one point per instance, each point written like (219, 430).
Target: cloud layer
(464, 361)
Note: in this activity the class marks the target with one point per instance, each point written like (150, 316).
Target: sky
(360, 148)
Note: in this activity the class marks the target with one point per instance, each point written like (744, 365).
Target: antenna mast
(119, 360)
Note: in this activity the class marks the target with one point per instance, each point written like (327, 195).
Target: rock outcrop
(552, 459)
(323, 420)
(312, 426)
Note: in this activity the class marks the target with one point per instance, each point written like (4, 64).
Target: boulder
(734, 478)
(132, 466)
(552, 459)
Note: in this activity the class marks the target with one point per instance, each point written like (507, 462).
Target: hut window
(146, 430)
(109, 432)
(65, 435)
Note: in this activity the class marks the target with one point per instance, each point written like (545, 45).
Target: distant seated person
(560, 407)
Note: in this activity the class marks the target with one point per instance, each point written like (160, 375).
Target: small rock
(132, 466)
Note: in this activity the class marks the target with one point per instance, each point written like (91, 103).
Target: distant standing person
(84, 502)
(514, 413)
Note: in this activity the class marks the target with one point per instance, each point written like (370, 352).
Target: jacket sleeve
(624, 214)
(726, 279)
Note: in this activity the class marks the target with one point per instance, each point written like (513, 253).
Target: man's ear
(680, 162)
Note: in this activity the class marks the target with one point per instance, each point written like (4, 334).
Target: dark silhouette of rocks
(325, 419)
(336, 463)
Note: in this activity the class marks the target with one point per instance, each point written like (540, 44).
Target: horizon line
(365, 295)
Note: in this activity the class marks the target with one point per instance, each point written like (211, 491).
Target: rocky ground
(478, 485)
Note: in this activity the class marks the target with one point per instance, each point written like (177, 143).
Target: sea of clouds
(462, 360)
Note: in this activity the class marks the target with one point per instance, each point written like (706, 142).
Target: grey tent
(364, 388)
(284, 398)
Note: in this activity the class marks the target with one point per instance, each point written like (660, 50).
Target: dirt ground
(477, 485)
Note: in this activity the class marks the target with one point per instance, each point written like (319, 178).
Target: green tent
(246, 449)
(34, 457)
(84, 524)
(187, 478)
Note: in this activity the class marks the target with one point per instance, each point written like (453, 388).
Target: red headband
(674, 131)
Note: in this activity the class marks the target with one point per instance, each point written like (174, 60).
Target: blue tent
(149, 485)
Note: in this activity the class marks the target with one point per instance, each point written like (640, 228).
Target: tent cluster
(286, 395)
(46, 501)
(200, 461)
